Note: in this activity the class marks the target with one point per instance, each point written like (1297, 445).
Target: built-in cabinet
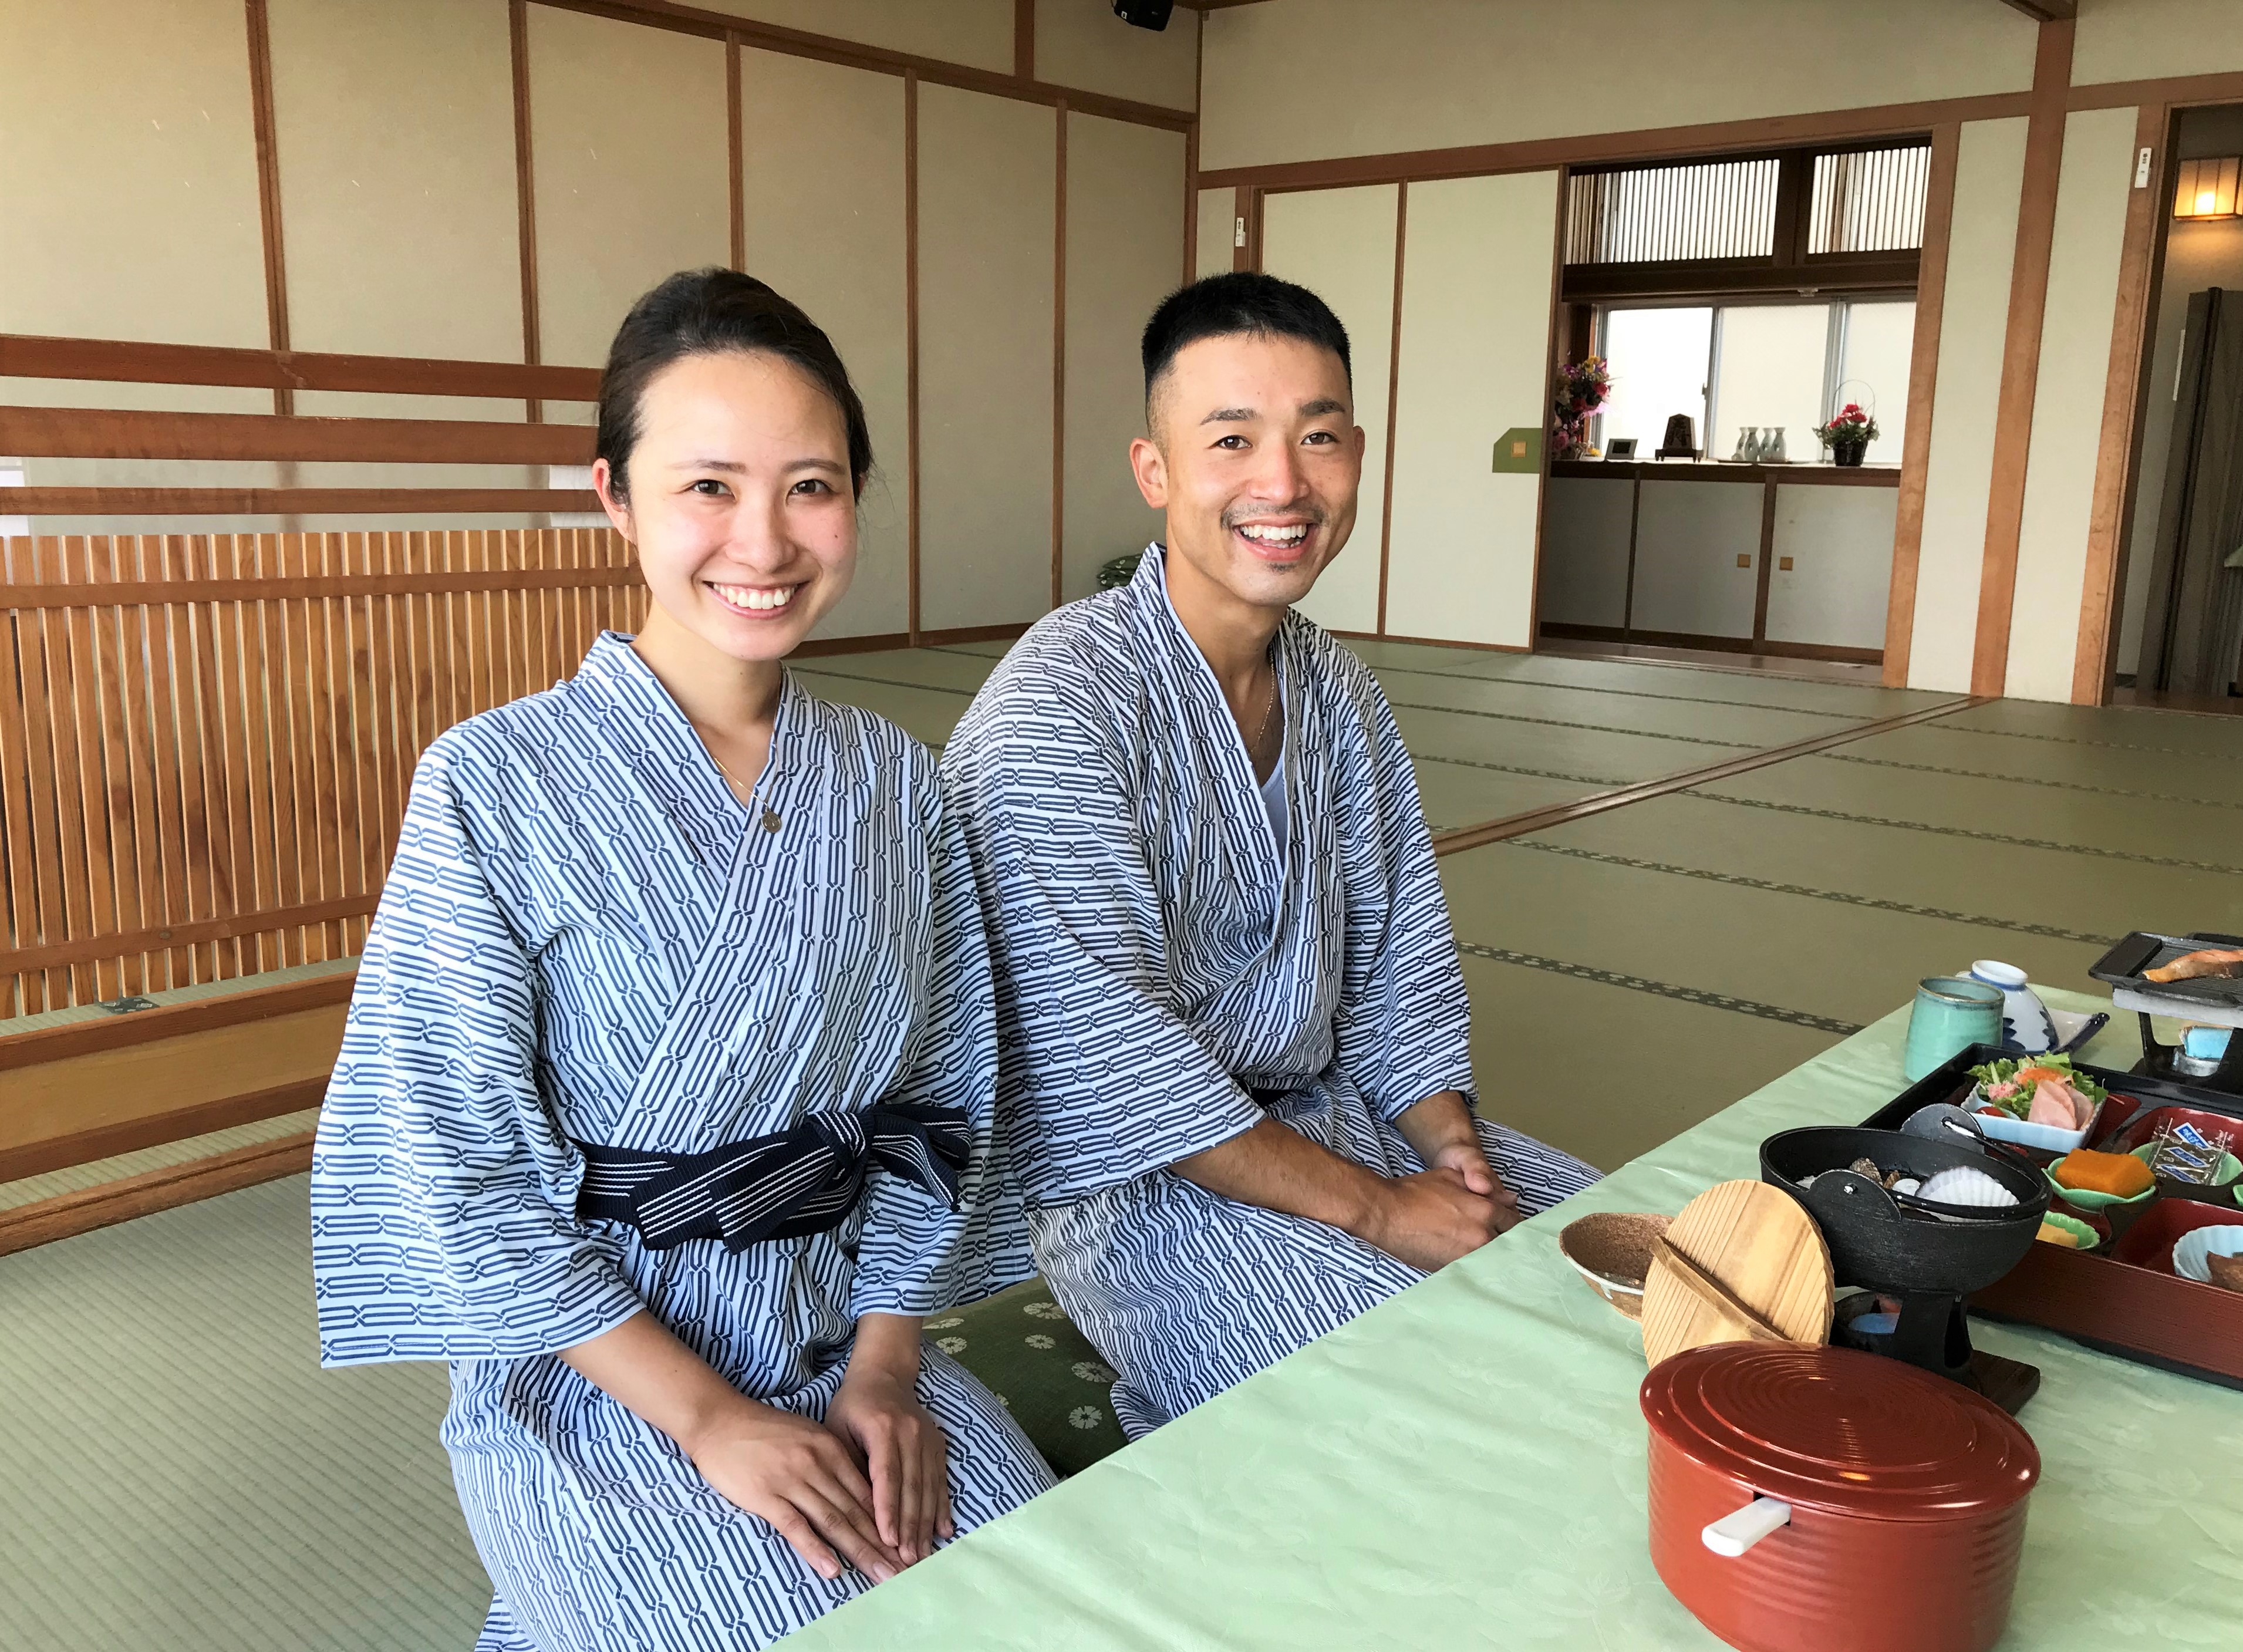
(1787, 559)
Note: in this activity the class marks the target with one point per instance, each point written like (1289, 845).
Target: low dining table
(1464, 1466)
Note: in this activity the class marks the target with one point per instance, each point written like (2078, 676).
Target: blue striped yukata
(1168, 976)
(586, 939)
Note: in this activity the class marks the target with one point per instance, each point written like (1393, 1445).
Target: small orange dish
(2120, 1175)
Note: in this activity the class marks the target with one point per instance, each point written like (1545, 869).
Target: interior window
(1880, 344)
(1659, 358)
(1769, 373)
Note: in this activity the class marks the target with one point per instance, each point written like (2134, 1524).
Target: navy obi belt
(781, 1186)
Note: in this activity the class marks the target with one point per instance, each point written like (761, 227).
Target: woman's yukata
(586, 941)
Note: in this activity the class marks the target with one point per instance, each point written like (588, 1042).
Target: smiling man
(1233, 1035)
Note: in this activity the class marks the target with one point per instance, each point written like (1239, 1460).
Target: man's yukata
(1171, 971)
(589, 947)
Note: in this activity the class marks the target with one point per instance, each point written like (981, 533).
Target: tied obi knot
(785, 1185)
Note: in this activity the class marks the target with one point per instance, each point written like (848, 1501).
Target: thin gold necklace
(747, 796)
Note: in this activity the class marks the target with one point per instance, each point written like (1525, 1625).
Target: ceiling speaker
(1145, 14)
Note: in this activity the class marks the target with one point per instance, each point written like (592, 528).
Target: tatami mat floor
(175, 1473)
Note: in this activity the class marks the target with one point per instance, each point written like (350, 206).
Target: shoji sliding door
(1340, 243)
(1476, 297)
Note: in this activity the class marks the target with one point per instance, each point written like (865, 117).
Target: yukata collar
(1149, 591)
(653, 734)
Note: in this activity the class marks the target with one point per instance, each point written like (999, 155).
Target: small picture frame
(1620, 448)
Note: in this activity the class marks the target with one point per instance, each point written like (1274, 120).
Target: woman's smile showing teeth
(755, 599)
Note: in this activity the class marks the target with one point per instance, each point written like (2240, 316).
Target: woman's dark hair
(710, 313)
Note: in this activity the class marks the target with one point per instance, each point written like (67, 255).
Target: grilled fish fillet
(2196, 965)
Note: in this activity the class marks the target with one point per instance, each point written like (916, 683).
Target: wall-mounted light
(2207, 188)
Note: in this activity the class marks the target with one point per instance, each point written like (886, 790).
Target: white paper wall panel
(128, 171)
(1082, 43)
(1218, 224)
(987, 180)
(1688, 536)
(1988, 181)
(823, 197)
(1125, 192)
(1384, 76)
(2067, 421)
(1475, 352)
(978, 33)
(633, 171)
(395, 128)
(1585, 529)
(2147, 39)
(1840, 541)
(1340, 243)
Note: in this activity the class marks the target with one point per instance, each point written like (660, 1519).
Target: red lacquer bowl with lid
(1817, 1500)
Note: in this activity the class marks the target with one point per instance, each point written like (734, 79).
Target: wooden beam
(1989, 656)
(240, 1008)
(424, 582)
(118, 432)
(117, 1099)
(130, 361)
(2045, 10)
(91, 1209)
(1662, 278)
(294, 502)
(910, 357)
(1024, 39)
(1393, 400)
(716, 26)
(268, 187)
(525, 192)
(1923, 386)
(1710, 140)
(736, 148)
(2111, 514)
(1058, 367)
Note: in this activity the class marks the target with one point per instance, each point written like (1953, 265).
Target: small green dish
(2088, 1199)
(2088, 1238)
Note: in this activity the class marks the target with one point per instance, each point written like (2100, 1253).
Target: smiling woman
(662, 1107)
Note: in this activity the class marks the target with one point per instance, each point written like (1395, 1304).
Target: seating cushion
(1030, 1355)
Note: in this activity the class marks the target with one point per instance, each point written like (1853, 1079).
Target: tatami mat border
(1905, 908)
(2108, 745)
(1626, 693)
(1975, 835)
(1662, 989)
(2032, 780)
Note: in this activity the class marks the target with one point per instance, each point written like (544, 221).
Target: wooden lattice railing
(205, 740)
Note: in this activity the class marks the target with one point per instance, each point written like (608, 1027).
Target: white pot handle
(1733, 1534)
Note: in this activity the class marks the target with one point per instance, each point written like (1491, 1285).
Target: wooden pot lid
(1743, 1263)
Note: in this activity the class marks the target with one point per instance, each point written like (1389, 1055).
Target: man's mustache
(1314, 516)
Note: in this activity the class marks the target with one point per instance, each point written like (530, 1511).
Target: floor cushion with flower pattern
(1030, 1355)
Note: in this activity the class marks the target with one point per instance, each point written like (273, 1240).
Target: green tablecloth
(1463, 1466)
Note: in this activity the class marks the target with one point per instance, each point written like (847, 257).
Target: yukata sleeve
(1402, 1031)
(443, 1189)
(914, 1255)
(1104, 1081)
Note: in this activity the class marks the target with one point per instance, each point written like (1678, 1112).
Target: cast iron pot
(1818, 1500)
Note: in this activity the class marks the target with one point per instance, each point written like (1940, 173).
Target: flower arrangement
(1577, 390)
(1852, 428)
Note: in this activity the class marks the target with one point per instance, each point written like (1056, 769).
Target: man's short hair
(1241, 301)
